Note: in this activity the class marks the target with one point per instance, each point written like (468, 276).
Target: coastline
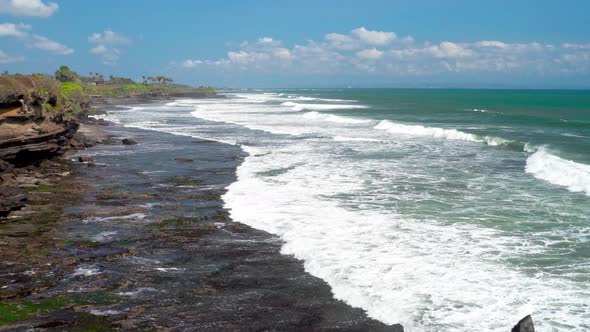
(141, 251)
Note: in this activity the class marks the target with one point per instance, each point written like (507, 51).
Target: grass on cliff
(65, 99)
(69, 89)
(137, 89)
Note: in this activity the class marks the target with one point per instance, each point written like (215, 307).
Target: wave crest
(333, 118)
(566, 173)
(450, 134)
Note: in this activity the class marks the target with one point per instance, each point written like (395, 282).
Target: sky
(303, 43)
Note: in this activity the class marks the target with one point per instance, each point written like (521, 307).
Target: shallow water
(437, 209)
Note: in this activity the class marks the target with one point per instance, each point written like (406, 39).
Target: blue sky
(451, 43)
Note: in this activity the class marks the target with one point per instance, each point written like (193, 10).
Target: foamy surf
(408, 229)
(334, 118)
(321, 107)
(566, 173)
(449, 134)
(422, 274)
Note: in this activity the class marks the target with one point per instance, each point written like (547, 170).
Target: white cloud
(342, 42)
(364, 51)
(28, 7)
(450, 50)
(492, 43)
(21, 32)
(47, 44)
(378, 38)
(107, 45)
(371, 54)
(191, 63)
(14, 30)
(5, 58)
(108, 37)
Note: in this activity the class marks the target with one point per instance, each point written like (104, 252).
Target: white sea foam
(133, 216)
(333, 118)
(422, 274)
(546, 166)
(441, 133)
(138, 291)
(87, 270)
(418, 130)
(321, 107)
(105, 312)
(104, 236)
(353, 139)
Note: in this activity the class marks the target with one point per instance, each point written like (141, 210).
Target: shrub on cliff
(65, 74)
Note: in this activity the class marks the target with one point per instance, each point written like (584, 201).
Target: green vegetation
(65, 74)
(14, 312)
(69, 89)
(136, 89)
(67, 94)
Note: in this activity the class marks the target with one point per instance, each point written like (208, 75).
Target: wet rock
(102, 122)
(20, 144)
(11, 199)
(128, 141)
(524, 325)
(27, 181)
(74, 143)
(184, 160)
(6, 167)
(86, 159)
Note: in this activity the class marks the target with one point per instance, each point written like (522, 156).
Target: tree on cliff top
(65, 74)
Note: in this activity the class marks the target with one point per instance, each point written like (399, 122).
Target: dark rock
(6, 167)
(102, 122)
(524, 325)
(128, 141)
(22, 146)
(86, 159)
(184, 160)
(11, 199)
(74, 143)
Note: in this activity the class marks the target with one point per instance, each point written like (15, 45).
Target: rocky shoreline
(136, 237)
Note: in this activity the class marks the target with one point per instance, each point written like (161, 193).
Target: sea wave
(333, 118)
(450, 134)
(562, 172)
(321, 107)
(304, 98)
(353, 139)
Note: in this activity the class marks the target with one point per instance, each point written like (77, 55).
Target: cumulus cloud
(108, 37)
(28, 8)
(47, 44)
(5, 58)
(14, 30)
(22, 33)
(371, 54)
(382, 53)
(108, 44)
(377, 38)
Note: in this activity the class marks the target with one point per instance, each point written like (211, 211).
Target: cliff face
(32, 124)
(37, 121)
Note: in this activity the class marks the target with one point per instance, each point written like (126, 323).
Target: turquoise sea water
(438, 209)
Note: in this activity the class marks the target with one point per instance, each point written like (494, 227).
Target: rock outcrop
(524, 325)
(37, 122)
(33, 122)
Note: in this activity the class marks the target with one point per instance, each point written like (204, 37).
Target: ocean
(442, 210)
